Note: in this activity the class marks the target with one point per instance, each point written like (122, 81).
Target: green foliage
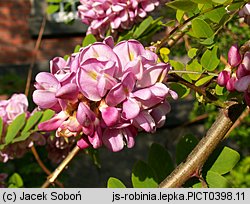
(183, 5)
(201, 28)
(14, 128)
(203, 80)
(210, 59)
(115, 183)
(195, 66)
(21, 128)
(227, 159)
(239, 177)
(15, 181)
(182, 90)
(89, 39)
(52, 8)
(143, 176)
(215, 180)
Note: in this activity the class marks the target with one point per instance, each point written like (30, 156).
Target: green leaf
(215, 180)
(220, 1)
(192, 52)
(202, 1)
(197, 185)
(164, 52)
(89, 39)
(179, 15)
(115, 183)
(77, 48)
(15, 181)
(14, 128)
(22, 137)
(32, 121)
(201, 28)
(180, 89)
(143, 27)
(180, 67)
(194, 66)
(52, 8)
(47, 114)
(203, 80)
(143, 176)
(184, 147)
(227, 159)
(183, 5)
(53, 1)
(160, 161)
(1, 127)
(219, 90)
(216, 15)
(210, 60)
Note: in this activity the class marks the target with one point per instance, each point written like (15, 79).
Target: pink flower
(245, 13)
(234, 57)
(101, 15)
(105, 94)
(223, 78)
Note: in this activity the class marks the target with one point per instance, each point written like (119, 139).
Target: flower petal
(130, 109)
(113, 139)
(110, 115)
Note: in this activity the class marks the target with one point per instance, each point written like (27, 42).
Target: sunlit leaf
(201, 28)
(215, 180)
(196, 67)
(143, 26)
(192, 52)
(210, 60)
(89, 39)
(14, 128)
(32, 120)
(183, 5)
(219, 90)
(15, 181)
(115, 183)
(203, 80)
(143, 176)
(227, 159)
(52, 8)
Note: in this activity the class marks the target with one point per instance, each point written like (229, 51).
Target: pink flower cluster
(104, 94)
(237, 77)
(9, 110)
(101, 15)
(245, 13)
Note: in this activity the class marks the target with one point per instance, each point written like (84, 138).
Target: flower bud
(231, 84)
(223, 78)
(234, 57)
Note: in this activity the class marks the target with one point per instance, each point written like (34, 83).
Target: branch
(35, 51)
(205, 147)
(52, 177)
(44, 168)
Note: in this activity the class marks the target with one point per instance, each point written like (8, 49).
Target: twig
(34, 55)
(44, 168)
(52, 177)
(205, 147)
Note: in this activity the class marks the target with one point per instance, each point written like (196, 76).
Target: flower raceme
(101, 15)
(105, 94)
(237, 77)
(9, 110)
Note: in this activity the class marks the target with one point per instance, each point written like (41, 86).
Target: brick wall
(16, 42)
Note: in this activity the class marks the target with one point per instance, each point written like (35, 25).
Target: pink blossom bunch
(9, 110)
(101, 15)
(105, 94)
(237, 77)
(245, 13)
